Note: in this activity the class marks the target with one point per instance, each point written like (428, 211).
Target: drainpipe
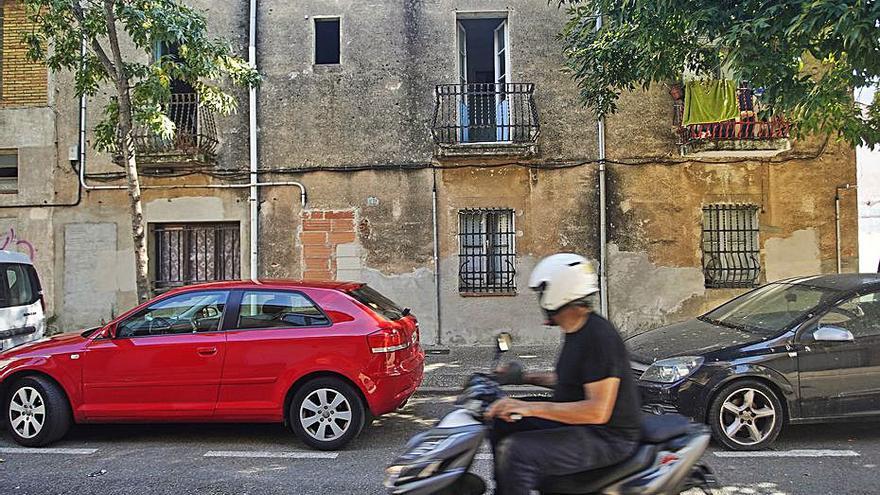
(837, 221)
(438, 339)
(603, 220)
(253, 197)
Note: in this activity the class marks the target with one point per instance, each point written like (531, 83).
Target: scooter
(438, 461)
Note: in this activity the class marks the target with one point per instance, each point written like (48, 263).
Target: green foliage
(203, 62)
(809, 55)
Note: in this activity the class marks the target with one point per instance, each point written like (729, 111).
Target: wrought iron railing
(185, 254)
(487, 251)
(746, 127)
(485, 113)
(195, 137)
(731, 253)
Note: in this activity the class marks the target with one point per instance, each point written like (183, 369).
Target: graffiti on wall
(11, 242)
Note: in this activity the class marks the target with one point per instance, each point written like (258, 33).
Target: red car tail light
(388, 340)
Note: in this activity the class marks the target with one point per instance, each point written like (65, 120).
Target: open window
(483, 66)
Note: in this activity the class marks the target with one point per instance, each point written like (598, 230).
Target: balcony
(485, 119)
(747, 135)
(194, 144)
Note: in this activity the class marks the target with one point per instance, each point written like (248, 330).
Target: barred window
(8, 170)
(731, 254)
(195, 252)
(487, 252)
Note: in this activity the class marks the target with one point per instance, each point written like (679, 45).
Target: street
(267, 459)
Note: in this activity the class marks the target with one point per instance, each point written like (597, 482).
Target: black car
(796, 351)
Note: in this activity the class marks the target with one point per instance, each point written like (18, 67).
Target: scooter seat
(660, 429)
(595, 480)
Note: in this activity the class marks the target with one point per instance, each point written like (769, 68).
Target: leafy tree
(809, 55)
(141, 86)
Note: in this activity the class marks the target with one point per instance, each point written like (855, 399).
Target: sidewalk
(447, 372)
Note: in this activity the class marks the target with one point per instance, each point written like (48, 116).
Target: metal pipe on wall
(438, 339)
(603, 220)
(253, 196)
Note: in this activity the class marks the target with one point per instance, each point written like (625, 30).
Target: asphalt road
(171, 459)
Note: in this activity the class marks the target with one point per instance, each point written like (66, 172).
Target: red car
(321, 357)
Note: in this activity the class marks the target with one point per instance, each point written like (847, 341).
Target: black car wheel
(327, 413)
(37, 412)
(746, 415)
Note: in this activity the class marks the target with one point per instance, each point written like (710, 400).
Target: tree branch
(76, 8)
(110, 16)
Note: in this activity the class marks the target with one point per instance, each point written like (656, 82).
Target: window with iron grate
(191, 253)
(731, 253)
(487, 252)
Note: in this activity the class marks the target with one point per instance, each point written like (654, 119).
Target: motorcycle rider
(593, 418)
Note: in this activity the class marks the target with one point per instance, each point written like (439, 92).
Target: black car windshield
(771, 308)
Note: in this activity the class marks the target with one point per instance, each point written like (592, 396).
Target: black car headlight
(672, 370)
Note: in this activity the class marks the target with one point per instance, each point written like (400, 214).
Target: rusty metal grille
(195, 137)
(485, 113)
(487, 252)
(731, 253)
(192, 253)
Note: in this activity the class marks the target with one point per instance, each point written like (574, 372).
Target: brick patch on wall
(321, 232)
(22, 83)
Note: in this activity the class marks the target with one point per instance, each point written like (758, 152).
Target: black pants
(530, 449)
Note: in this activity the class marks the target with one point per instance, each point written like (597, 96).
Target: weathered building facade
(442, 152)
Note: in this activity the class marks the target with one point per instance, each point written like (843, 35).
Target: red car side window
(278, 309)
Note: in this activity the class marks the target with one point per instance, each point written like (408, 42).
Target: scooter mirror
(503, 341)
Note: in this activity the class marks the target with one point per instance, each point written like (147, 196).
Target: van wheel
(326, 413)
(37, 412)
(746, 415)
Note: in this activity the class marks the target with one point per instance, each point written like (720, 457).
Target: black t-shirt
(591, 354)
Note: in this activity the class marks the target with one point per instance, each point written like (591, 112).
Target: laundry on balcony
(709, 102)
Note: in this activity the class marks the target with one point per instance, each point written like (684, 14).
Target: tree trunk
(125, 144)
(138, 225)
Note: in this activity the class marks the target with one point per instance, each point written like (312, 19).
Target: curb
(518, 390)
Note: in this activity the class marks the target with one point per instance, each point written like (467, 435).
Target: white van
(22, 307)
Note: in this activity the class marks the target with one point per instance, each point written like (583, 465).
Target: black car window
(16, 286)
(372, 299)
(860, 315)
(771, 308)
(278, 309)
(190, 312)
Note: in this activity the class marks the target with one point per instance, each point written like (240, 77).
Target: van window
(377, 302)
(16, 288)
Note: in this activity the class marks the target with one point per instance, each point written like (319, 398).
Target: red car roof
(289, 284)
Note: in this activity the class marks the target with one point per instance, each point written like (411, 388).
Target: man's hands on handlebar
(510, 410)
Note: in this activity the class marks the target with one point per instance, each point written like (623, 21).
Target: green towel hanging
(707, 102)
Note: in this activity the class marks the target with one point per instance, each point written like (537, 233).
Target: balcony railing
(195, 140)
(746, 128)
(489, 113)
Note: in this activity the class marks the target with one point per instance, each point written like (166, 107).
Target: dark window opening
(326, 41)
(198, 252)
(8, 170)
(487, 252)
(731, 254)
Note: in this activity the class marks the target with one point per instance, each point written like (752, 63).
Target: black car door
(842, 378)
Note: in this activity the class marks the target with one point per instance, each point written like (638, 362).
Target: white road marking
(791, 453)
(23, 450)
(271, 455)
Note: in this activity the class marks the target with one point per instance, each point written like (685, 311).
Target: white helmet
(563, 278)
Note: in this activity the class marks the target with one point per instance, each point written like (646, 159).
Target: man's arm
(596, 410)
(545, 379)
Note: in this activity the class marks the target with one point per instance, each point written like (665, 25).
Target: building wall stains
(358, 136)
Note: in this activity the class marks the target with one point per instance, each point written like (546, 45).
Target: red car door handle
(207, 351)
